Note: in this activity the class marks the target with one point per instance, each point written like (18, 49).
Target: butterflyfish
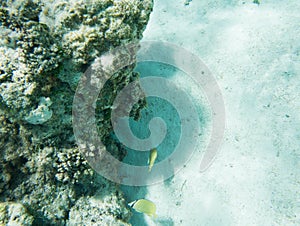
(144, 206)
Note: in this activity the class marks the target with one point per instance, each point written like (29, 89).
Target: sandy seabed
(253, 51)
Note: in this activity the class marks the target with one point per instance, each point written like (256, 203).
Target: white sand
(254, 53)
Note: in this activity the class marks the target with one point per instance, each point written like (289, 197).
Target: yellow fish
(152, 158)
(144, 206)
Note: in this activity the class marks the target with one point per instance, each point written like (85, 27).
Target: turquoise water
(224, 98)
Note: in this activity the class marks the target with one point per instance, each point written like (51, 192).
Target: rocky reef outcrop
(45, 46)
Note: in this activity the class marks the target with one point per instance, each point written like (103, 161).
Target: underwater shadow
(132, 193)
(183, 127)
(140, 129)
(157, 107)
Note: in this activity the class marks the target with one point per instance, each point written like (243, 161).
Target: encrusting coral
(45, 46)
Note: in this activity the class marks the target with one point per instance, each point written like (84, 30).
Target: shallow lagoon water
(253, 52)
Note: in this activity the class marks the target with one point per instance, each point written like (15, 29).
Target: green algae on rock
(106, 209)
(14, 214)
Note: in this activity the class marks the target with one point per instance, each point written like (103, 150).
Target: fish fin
(131, 204)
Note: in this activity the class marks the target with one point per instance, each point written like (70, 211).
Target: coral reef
(14, 214)
(45, 47)
(106, 209)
